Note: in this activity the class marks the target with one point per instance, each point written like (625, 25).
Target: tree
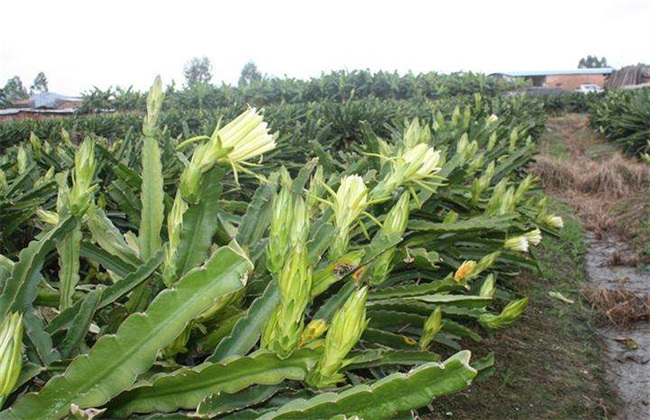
(40, 83)
(4, 101)
(14, 90)
(249, 74)
(592, 62)
(197, 70)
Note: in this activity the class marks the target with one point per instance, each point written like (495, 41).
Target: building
(563, 80)
(42, 105)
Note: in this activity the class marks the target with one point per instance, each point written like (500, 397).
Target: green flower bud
(316, 190)
(21, 160)
(485, 263)
(348, 324)
(432, 326)
(11, 343)
(416, 134)
(46, 216)
(508, 315)
(3, 181)
(492, 141)
(81, 194)
(495, 205)
(174, 227)
(350, 201)
(523, 188)
(488, 288)
(155, 100)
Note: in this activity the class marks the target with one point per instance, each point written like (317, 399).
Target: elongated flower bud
(81, 193)
(517, 243)
(488, 288)
(11, 343)
(21, 160)
(348, 324)
(155, 100)
(316, 190)
(432, 326)
(395, 224)
(523, 188)
(508, 316)
(350, 201)
(3, 181)
(46, 216)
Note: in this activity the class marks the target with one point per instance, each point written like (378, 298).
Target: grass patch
(549, 363)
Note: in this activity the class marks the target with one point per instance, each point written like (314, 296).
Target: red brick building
(562, 79)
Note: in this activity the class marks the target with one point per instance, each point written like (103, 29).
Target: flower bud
(432, 326)
(155, 100)
(508, 315)
(534, 237)
(464, 270)
(553, 221)
(350, 201)
(516, 243)
(46, 216)
(488, 288)
(314, 330)
(3, 181)
(81, 193)
(11, 343)
(345, 331)
(21, 160)
(316, 190)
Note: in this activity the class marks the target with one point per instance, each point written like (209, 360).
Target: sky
(82, 44)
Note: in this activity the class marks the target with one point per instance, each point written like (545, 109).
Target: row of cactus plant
(347, 287)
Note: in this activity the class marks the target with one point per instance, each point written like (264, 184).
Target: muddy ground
(628, 346)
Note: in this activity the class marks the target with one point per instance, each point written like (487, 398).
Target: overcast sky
(81, 44)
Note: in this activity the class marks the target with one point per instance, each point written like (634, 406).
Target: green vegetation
(166, 272)
(624, 118)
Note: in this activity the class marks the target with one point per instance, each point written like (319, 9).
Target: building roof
(49, 99)
(603, 70)
(16, 111)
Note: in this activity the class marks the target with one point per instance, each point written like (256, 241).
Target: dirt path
(611, 195)
(628, 347)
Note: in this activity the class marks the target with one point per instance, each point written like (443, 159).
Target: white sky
(81, 44)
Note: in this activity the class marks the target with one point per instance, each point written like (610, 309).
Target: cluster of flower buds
(346, 328)
(244, 138)
(288, 261)
(284, 330)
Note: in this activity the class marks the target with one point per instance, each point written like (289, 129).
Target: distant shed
(566, 80)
